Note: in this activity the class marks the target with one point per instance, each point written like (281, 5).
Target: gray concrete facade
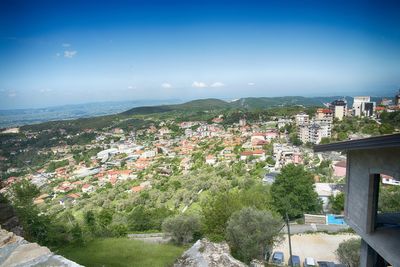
(362, 187)
(367, 159)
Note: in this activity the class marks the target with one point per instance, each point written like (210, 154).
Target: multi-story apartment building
(362, 106)
(339, 108)
(314, 132)
(302, 119)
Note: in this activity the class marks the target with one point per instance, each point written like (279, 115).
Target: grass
(122, 252)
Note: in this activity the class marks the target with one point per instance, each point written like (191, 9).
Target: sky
(69, 52)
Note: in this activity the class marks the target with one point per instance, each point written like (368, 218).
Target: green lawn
(122, 252)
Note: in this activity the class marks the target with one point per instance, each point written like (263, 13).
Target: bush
(348, 252)
(182, 228)
(250, 232)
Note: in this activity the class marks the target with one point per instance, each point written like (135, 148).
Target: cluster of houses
(132, 156)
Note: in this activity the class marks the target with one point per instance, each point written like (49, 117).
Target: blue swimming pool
(336, 219)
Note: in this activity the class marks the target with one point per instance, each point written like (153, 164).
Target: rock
(17, 252)
(8, 219)
(208, 254)
(27, 254)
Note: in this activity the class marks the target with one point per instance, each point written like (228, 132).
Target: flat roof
(383, 141)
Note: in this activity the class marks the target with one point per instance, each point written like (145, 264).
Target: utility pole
(290, 242)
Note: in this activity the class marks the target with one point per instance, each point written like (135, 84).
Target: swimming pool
(335, 219)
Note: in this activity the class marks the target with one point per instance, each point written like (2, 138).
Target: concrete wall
(360, 193)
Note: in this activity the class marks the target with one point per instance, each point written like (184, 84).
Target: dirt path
(319, 246)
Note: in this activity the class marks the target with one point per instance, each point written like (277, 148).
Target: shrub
(182, 228)
(348, 252)
(250, 232)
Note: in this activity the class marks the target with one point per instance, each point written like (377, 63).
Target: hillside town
(117, 156)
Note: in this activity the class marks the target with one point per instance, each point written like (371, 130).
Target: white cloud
(166, 85)
(70, 53)
(251, 84)
(199, 84)
(217, 84)
(66, 45)
(131, 87)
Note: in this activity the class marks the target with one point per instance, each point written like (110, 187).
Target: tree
(24, 192)
(293, 192)
(182, 228)
(386, 128)
(325, 140)
(389, 199)
(36, 226)
(337, 203)
(295, 140)
(218, 209)
(250, 232)
(348, 252)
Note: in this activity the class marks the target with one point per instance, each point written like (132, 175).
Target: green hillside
(195, 105)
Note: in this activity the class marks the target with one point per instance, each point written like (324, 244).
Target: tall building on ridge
(397, 99)
(362, 106)
(339, 108)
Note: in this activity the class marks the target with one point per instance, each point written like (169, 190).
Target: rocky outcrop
(208, 254)
(17, 252)
(8, 219)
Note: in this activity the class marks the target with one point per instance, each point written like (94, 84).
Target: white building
(339, 108)
(314, 132)
(302, 119)
(362, 106)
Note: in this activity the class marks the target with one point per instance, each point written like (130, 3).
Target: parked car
(309, 262)
(326, 264)
(278, 258)
(295, 261)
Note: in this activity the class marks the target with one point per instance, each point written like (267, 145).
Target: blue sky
(65, 52)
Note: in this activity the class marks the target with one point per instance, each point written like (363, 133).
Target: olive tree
(348, 252)
(250, 232)
(182, 228)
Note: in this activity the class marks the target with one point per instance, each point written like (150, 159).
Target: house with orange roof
(211, 159)
(87, 188)
(137, 188)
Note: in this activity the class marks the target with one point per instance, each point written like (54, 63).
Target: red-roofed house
(211, 159)
(87, 188)
(136, 189)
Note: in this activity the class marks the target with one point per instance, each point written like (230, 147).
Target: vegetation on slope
(120, 252)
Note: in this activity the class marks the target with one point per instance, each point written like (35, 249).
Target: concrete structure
(367, 159)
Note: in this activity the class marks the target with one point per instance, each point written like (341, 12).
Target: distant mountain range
(249, 103)
(18, 117)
